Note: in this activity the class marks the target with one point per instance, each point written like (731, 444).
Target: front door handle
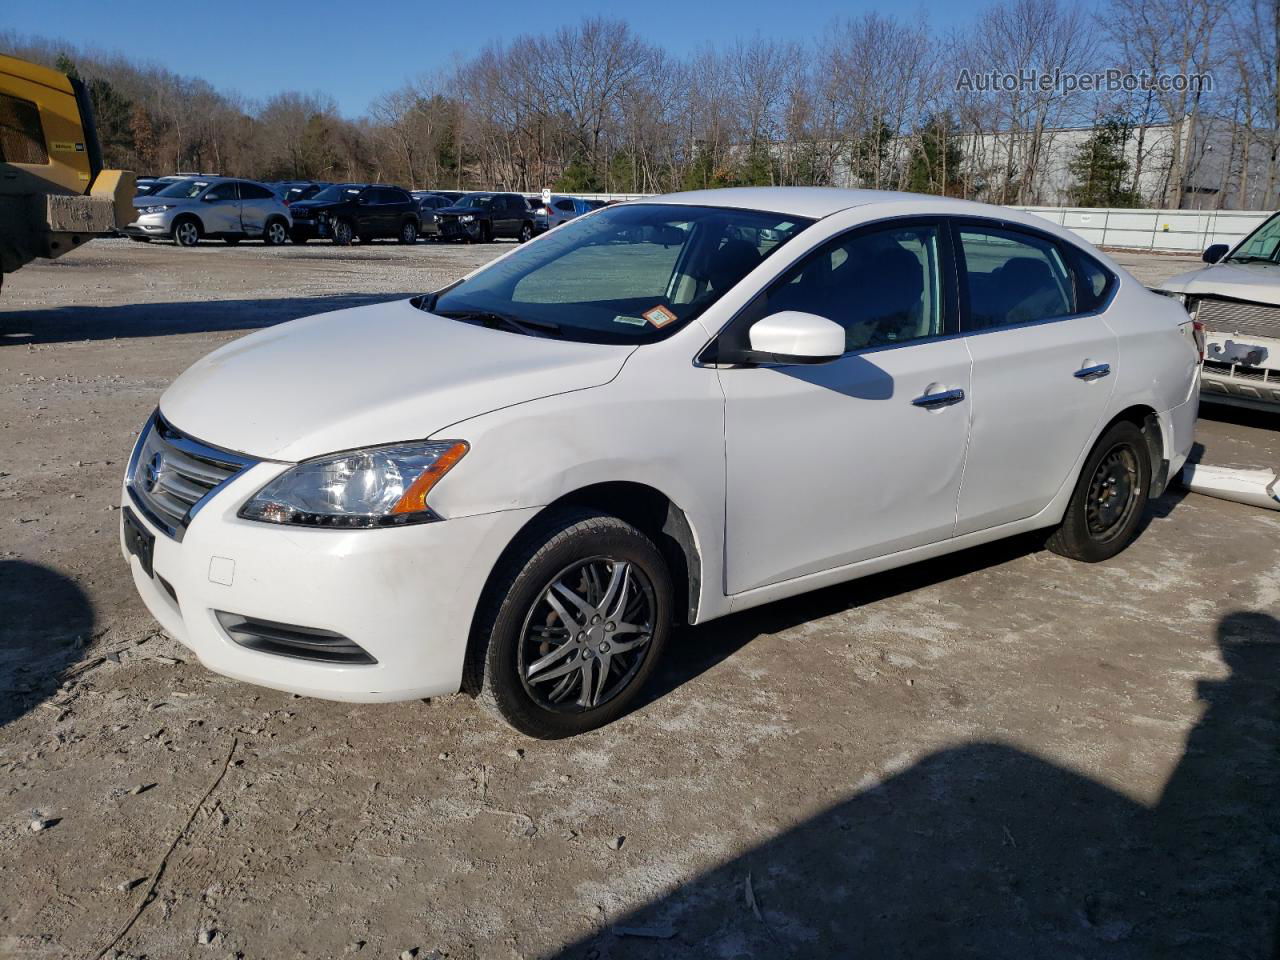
(943, 398)
(1095, 372)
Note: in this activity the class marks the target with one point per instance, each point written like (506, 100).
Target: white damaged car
(660, 413)
(1235, 301)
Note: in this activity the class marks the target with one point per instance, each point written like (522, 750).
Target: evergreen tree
(1099, 168)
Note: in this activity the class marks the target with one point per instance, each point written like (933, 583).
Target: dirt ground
(996, 754)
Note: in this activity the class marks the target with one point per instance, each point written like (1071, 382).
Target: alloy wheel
(187, 233)
(587, 635)
(276, 233)
(1113, 493)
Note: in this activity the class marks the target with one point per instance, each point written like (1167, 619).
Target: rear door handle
(943, 398)
(1095, 372)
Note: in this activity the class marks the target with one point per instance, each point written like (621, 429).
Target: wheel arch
(646, 508)
(1147, 420)
(187, 215)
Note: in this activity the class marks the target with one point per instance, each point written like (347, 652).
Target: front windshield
(628, 274)
(482, 201)
(185, 189)
(1260, 246)
(338, 191)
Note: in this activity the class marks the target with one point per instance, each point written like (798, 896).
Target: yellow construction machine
(54, 194)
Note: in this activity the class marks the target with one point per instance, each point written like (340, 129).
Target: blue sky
(354, 52)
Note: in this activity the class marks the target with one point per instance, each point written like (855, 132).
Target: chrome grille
(1234, 316)
(172, 475)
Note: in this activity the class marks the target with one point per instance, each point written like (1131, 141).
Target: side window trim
(948, 273)
(1067, 252)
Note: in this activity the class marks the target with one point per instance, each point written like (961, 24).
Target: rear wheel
(408, 232)
(276, 233)
(575, 622)
(186, 232)
(1106, 507)
(526, 232)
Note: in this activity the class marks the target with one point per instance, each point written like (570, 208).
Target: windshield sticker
(659, 316)
(634, 321)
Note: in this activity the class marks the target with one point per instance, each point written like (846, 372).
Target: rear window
(21, 135)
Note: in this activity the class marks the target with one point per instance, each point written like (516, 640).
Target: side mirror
(1214, 253)
(210, 198)
(795, 337)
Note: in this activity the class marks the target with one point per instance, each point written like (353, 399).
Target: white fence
(1179, 231)
(1176, 231)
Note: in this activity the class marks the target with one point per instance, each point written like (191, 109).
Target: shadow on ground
(66, 324)
(985, 851)
(45, 621)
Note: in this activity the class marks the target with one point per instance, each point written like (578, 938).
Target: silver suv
(196, 208)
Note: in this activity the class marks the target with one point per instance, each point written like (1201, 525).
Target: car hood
(370, 375)
(314, 204)
(151, 200)
(457, 210)
(1258, 282)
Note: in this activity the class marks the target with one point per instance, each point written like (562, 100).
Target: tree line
(872, 101)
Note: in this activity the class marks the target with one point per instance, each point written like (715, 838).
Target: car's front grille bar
(172, 475)
(1235, 316)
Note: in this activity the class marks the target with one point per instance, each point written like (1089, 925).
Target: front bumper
(150, 225)
(406, 595)
(1240, 385)
(456, 230)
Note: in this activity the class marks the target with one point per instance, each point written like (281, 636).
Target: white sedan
(661, 413)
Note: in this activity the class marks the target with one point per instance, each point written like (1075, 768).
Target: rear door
(1041, 370)
(256, 204)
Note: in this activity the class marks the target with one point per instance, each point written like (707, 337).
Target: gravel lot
(996, 754)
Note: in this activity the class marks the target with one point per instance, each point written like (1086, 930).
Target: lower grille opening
(290, 640)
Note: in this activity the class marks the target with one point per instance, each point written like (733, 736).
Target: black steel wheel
(1106, 507)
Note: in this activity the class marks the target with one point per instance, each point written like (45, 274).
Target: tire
(526, 232)
(518, 626)
(275, 233)
(408, 232)
(231, 241)
(486, 233)
(1110, 497)
(343, 233)
(299, 238)
(186, 232)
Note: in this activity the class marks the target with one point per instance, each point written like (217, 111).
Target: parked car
(191, 209)
(291, 191)
(145, 186)
(428, 204)
(1236, 303)
(345, 212)
(562, 210)
(678, 409)
(454, 195)
(482, 217)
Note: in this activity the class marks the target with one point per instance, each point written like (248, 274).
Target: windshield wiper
(491, 319)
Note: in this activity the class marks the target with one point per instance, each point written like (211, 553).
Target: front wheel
(575, 621)
(186, 232)
(1106, 507)
(343, 233)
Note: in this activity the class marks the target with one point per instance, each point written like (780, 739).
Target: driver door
(221, 210)
(830, 464)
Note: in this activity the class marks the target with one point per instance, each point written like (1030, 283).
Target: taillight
(1197, 331)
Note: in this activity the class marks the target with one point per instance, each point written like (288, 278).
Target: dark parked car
(481, 217)
(451, 195)
(345, 212)
(291, 191)
(428, 203)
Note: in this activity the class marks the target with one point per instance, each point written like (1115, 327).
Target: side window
(566, 205)
(251, 191)
(1093, 282)
(21, 135)
(883, 287)
(222, 192)
(397, 196)
(1013, 277)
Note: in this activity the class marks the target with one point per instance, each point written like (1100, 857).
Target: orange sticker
(659, 316)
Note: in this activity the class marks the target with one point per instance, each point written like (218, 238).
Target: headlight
(466, 218)
(161, 208)
(375, 487)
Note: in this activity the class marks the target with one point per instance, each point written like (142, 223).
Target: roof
(817, 202)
